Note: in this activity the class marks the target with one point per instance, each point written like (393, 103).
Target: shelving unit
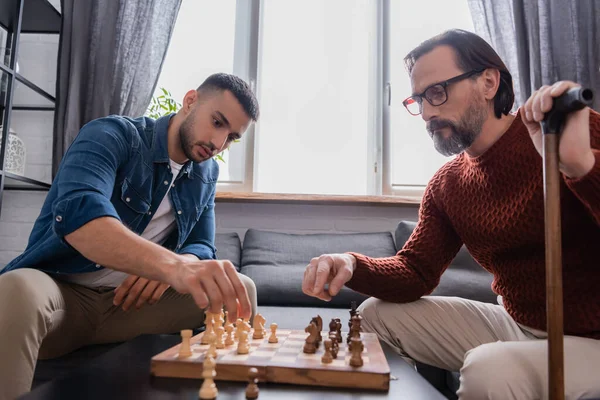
(18, 17)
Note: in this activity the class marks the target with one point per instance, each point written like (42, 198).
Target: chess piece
(327, 357)
(252, 388)
(338, 330)
(209, 331)
(220, 319)
(185, 349)
(273, 338)
(229, 339)
(332, 326)
(334, 345)
(219, 343)
(226, 315)
(310, 347)
(208, 390)
(239, 327)
(212, 347)
(354, 328)
(356, 347)
(353, 312)
(243, 347)
(318, 321)
(259, 329)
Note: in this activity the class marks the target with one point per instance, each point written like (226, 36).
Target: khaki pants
(45, 318)
(497, 358)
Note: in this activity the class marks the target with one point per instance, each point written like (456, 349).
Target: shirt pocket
(136, 206)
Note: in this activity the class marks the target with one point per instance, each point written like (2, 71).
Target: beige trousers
(497, 358)
(41, 317)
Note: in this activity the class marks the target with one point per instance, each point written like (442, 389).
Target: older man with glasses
(489, 198)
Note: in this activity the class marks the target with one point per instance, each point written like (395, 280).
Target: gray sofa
(276, 263)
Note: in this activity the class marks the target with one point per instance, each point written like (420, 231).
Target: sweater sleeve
(587, 188)
(416, 269)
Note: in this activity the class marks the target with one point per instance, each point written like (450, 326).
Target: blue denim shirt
(119, 167)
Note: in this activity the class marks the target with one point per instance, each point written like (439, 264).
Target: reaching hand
(332, 269)
(212, 283)
(141, 289)
(575, 154)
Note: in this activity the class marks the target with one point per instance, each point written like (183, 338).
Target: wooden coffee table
(124, 373)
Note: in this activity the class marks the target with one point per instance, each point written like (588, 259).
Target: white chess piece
(273, 338)
(208, 390)
(243, 347)
(185, 348)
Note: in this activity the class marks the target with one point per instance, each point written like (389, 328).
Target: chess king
(129, 221)
(489, 197)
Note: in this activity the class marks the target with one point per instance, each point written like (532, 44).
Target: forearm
(108, 242)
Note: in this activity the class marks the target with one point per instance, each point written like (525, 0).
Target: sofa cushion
(276, 263)
(229, 247)
(464, 277)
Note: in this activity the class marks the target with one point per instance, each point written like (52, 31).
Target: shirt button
(128, 199)
(166, 182)
(58, 218)
(179, 212)
(173, 185)
(149, 212)
(98, 265)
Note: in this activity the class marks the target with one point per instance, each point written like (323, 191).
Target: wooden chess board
(282, 362)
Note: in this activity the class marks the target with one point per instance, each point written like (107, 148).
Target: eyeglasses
(435, 94)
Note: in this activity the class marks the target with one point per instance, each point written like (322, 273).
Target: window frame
(247, 56)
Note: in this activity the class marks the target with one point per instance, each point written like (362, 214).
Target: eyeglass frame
(444, 85)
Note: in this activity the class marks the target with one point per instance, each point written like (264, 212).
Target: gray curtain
(543, 41)
(110, 56)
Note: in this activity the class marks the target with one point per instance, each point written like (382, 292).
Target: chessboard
(281, 362)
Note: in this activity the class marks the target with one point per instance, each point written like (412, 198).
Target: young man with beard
(490, 198)
(129, 220)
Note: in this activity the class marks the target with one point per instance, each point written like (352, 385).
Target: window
(202, 44)
(413, 157)
(314, 84)
(322, 71)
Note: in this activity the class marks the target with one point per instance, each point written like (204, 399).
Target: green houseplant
(164, 104)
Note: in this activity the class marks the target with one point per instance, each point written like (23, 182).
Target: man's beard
(462, 133)
(187, 141)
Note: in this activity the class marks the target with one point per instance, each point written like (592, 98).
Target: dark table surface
(124, 373)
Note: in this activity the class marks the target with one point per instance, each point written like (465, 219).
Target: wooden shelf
(282, 198)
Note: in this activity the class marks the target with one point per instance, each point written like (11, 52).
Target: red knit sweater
(494, 204)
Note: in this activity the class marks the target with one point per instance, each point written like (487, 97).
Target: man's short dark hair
(472, 52)
(240, 89)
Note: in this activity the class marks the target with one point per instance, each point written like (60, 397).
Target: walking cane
(552, 125)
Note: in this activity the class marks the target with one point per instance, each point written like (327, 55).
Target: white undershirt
(157, 231)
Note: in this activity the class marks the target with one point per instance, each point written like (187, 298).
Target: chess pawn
(327, 357)
(208, 390)
(238, 328)
(252, 388)
(273, 338)
(209, 332)
(243, 347)
(356, 347)
(332, 326)
(220, 319)
(220, 332)
(212, 348)
(338, 329)
(185, 349)
(334, 345)
(229, 339)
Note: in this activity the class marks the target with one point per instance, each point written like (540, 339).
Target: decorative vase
(14, 156)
